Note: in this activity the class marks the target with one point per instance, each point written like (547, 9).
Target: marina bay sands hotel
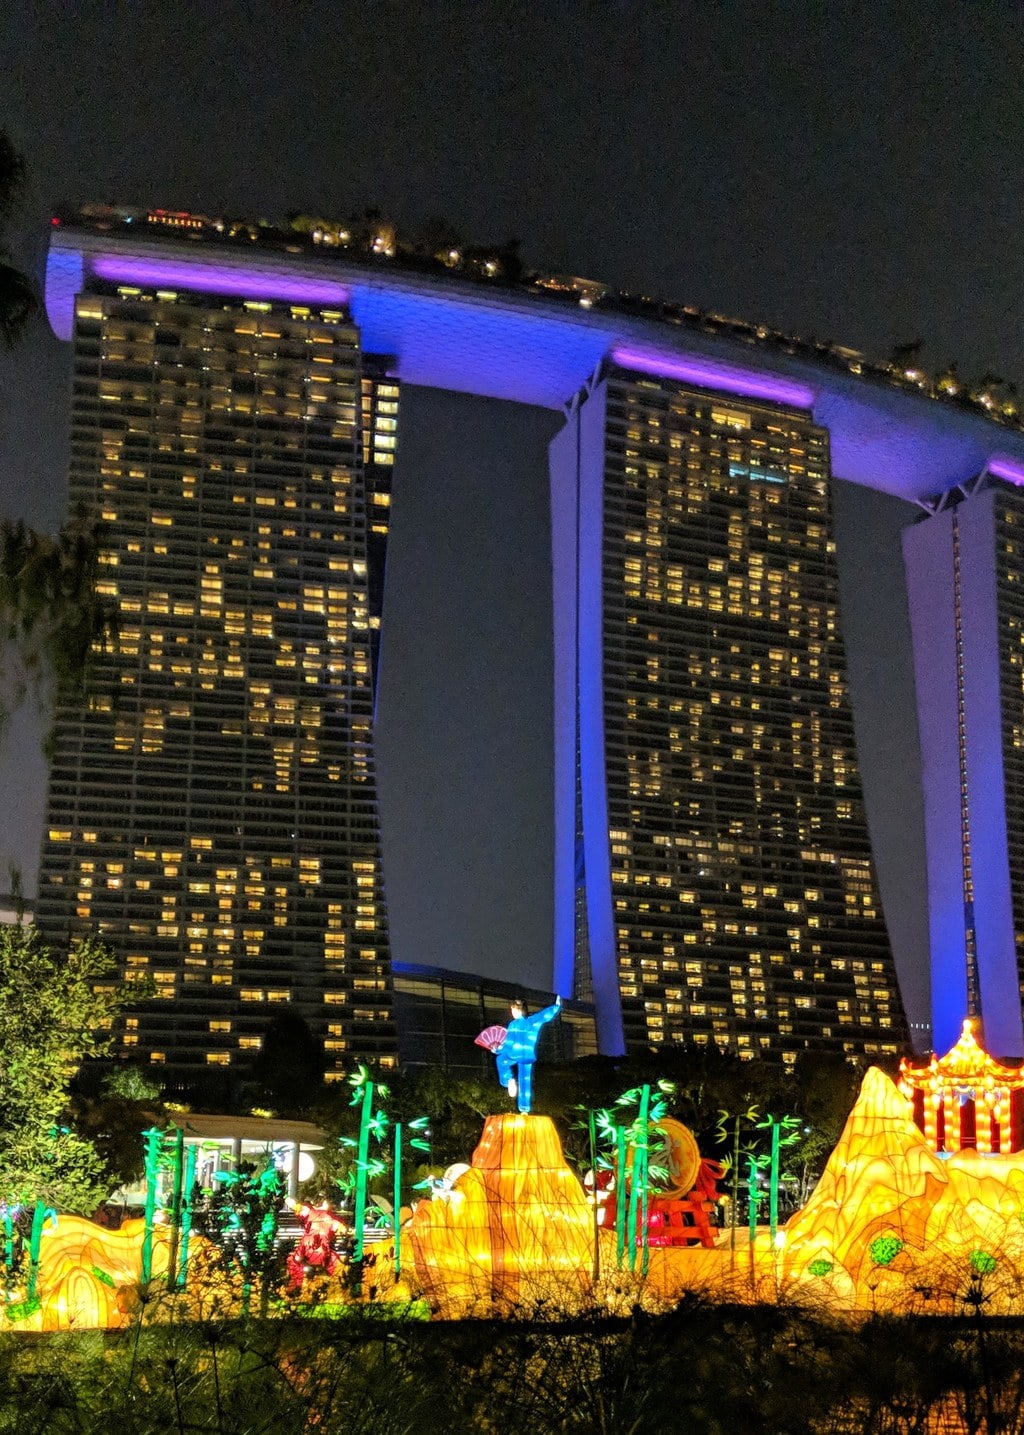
(236, 425)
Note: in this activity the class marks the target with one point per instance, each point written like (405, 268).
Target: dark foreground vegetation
(703, 1369)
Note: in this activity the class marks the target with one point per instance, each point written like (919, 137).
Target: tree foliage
(290, 1064)
(56, 1012)
(702, 1368)
(128, 1102)
(18, 298)
(49, 608)
(240, 1216)
(50, 612)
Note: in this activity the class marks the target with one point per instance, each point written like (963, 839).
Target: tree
(49, 608)
(128, 1083)
(56, 1012)
(50, 612)
(290, 1064)
(127, 1103)
(240, 1216)
(907, 354)
(18, 298)
(457, 1108)
(438, 238)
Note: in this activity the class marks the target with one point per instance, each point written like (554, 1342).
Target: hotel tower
(212, 808)
(714, 880)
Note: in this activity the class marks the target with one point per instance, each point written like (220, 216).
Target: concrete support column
(928, 556)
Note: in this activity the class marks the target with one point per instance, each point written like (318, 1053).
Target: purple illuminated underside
(1002, 467)
(217, 279)
(503, 345)
(708, 375)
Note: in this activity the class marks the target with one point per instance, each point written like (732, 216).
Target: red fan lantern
(491, 1038)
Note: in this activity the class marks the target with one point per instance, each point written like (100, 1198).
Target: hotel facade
(714, 854)
(212, 808)
(235, 421)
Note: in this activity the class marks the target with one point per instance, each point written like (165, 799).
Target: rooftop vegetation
(438, 247)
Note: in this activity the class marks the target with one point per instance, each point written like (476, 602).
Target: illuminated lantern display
(515, 1049)
(315, 1248)
(894, 1224)
(88, 1274)
(966, 1098)
(882, 1179)
(684, 1218)
(680, 1214)
(682, 1158)
(80, 1301)
(516, 1228)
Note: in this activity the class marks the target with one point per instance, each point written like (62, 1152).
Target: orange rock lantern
(515, 1229)
(88, 1274)
(79, 1301)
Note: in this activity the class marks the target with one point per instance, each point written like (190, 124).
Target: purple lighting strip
(716, 376)
(1002, 467)
(216, 279)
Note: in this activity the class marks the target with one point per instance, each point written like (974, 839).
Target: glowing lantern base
(515, 1232)
(893, 1224)
(88, 1275)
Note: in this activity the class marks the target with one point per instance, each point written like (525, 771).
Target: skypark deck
(523, 343)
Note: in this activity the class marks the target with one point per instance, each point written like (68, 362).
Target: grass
(708, 1369)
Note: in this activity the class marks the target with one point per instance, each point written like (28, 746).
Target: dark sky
(852, 171)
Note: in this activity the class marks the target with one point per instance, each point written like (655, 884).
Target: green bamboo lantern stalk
(35, 1241)
(634, 1192)
(592, 1129)
(418, 1140)
(153, 1141)
(177, 1162)
(644, 1188)
(620, 1195)
(735, 1203)
(186, 1216)
(773, 1187)
(362, 1159)
(8, 1239)
(638, 1179)
(752, 1201)
(396, 1209)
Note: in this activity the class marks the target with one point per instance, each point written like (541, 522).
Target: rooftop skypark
(373, 239)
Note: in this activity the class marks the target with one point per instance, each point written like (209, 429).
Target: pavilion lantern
(967, 1099)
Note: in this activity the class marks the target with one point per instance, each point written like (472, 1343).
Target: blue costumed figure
(518, 1052)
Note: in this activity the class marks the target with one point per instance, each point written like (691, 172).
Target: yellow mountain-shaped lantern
(516, 1229)
(881, 1180)
(893, 1224)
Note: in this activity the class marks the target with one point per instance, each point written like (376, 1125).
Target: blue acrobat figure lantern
(515, 1049)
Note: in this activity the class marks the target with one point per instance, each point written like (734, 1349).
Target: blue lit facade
(505, 343)
(713, 865)
(967, 614)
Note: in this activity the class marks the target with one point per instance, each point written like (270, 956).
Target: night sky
(848, 171)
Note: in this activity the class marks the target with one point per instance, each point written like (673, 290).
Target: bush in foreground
(705, 1369)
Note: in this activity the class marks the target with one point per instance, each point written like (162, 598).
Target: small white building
(226, 1142)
